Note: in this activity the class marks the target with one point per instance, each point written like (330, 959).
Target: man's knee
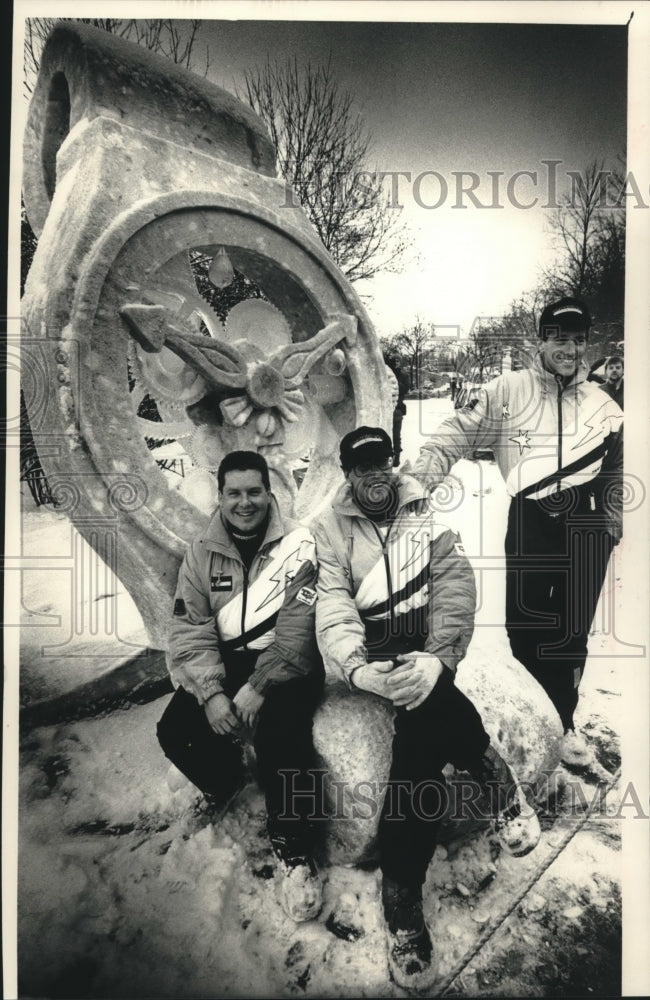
(179, 718)
(167, 728)
(292, 703)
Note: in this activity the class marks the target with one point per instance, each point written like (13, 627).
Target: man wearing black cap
(394, 616)
(557, 439)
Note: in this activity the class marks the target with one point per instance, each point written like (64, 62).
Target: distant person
(613, 384)
(558, 442)
(399, 409)
(452, 386)
(244, 659)
(459, 395)
(394, 616)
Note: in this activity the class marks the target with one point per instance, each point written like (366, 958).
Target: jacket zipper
(244, 599)
(560, 389)
(384, 548)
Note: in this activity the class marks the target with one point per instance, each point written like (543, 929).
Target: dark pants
(282, 742)
(446, 728)
(398, 417)
(557, 550)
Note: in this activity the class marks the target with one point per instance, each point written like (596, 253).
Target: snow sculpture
(353, 738)
(138, 177)
(137, 174)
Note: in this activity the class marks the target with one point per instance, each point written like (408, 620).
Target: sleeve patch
(306, 596)
(179, 606)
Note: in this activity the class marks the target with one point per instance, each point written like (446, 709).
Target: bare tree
(589, 231)
(323, 151)
(173, 39)
(409, 348)
(525, 310)
(492, 337)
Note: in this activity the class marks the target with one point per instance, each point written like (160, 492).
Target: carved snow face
(244, 499)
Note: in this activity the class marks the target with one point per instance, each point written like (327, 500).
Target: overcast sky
(440, 98)
(450, 97)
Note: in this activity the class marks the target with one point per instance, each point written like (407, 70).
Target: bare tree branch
(410, 345)
(322, 149)
(589, 233)
(175, 40)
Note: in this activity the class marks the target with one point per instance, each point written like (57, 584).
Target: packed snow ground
(127, 889)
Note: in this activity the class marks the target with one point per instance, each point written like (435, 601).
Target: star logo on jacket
(506, 410)
(522, 439)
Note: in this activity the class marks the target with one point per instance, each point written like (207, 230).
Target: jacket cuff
(447, 657)
(260, 681)
(449, 663)
(357, 659)
(207, 687)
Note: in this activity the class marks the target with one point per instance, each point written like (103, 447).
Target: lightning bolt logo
(523, 440)
(593, 428)
(419, 541)
(278, 579)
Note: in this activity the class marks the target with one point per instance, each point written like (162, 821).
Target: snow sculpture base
(353, 735)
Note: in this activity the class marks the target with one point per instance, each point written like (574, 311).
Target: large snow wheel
(134, 167)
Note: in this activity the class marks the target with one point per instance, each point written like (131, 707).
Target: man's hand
(372, 677)
(247, 703)
(219, 713)
(413, 679)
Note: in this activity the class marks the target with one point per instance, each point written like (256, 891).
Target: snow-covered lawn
(128, 890)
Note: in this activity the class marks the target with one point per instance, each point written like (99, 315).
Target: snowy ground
(129, 890)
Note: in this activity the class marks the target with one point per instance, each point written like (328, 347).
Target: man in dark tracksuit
(558, 442)
(243, 653)
(394, 616)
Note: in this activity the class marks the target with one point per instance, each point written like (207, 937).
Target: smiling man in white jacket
(244, 661)
(558, 442)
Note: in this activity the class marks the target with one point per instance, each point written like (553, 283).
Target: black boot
(301, 892)
(410, 951)
(513, 819)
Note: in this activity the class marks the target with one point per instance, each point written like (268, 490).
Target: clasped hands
(226, 715)
(406, 684)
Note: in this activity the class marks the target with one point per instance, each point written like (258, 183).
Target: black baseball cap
(569, 315)
(364, 445)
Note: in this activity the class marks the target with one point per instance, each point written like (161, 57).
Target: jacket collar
(409, 489)
(218, 539)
